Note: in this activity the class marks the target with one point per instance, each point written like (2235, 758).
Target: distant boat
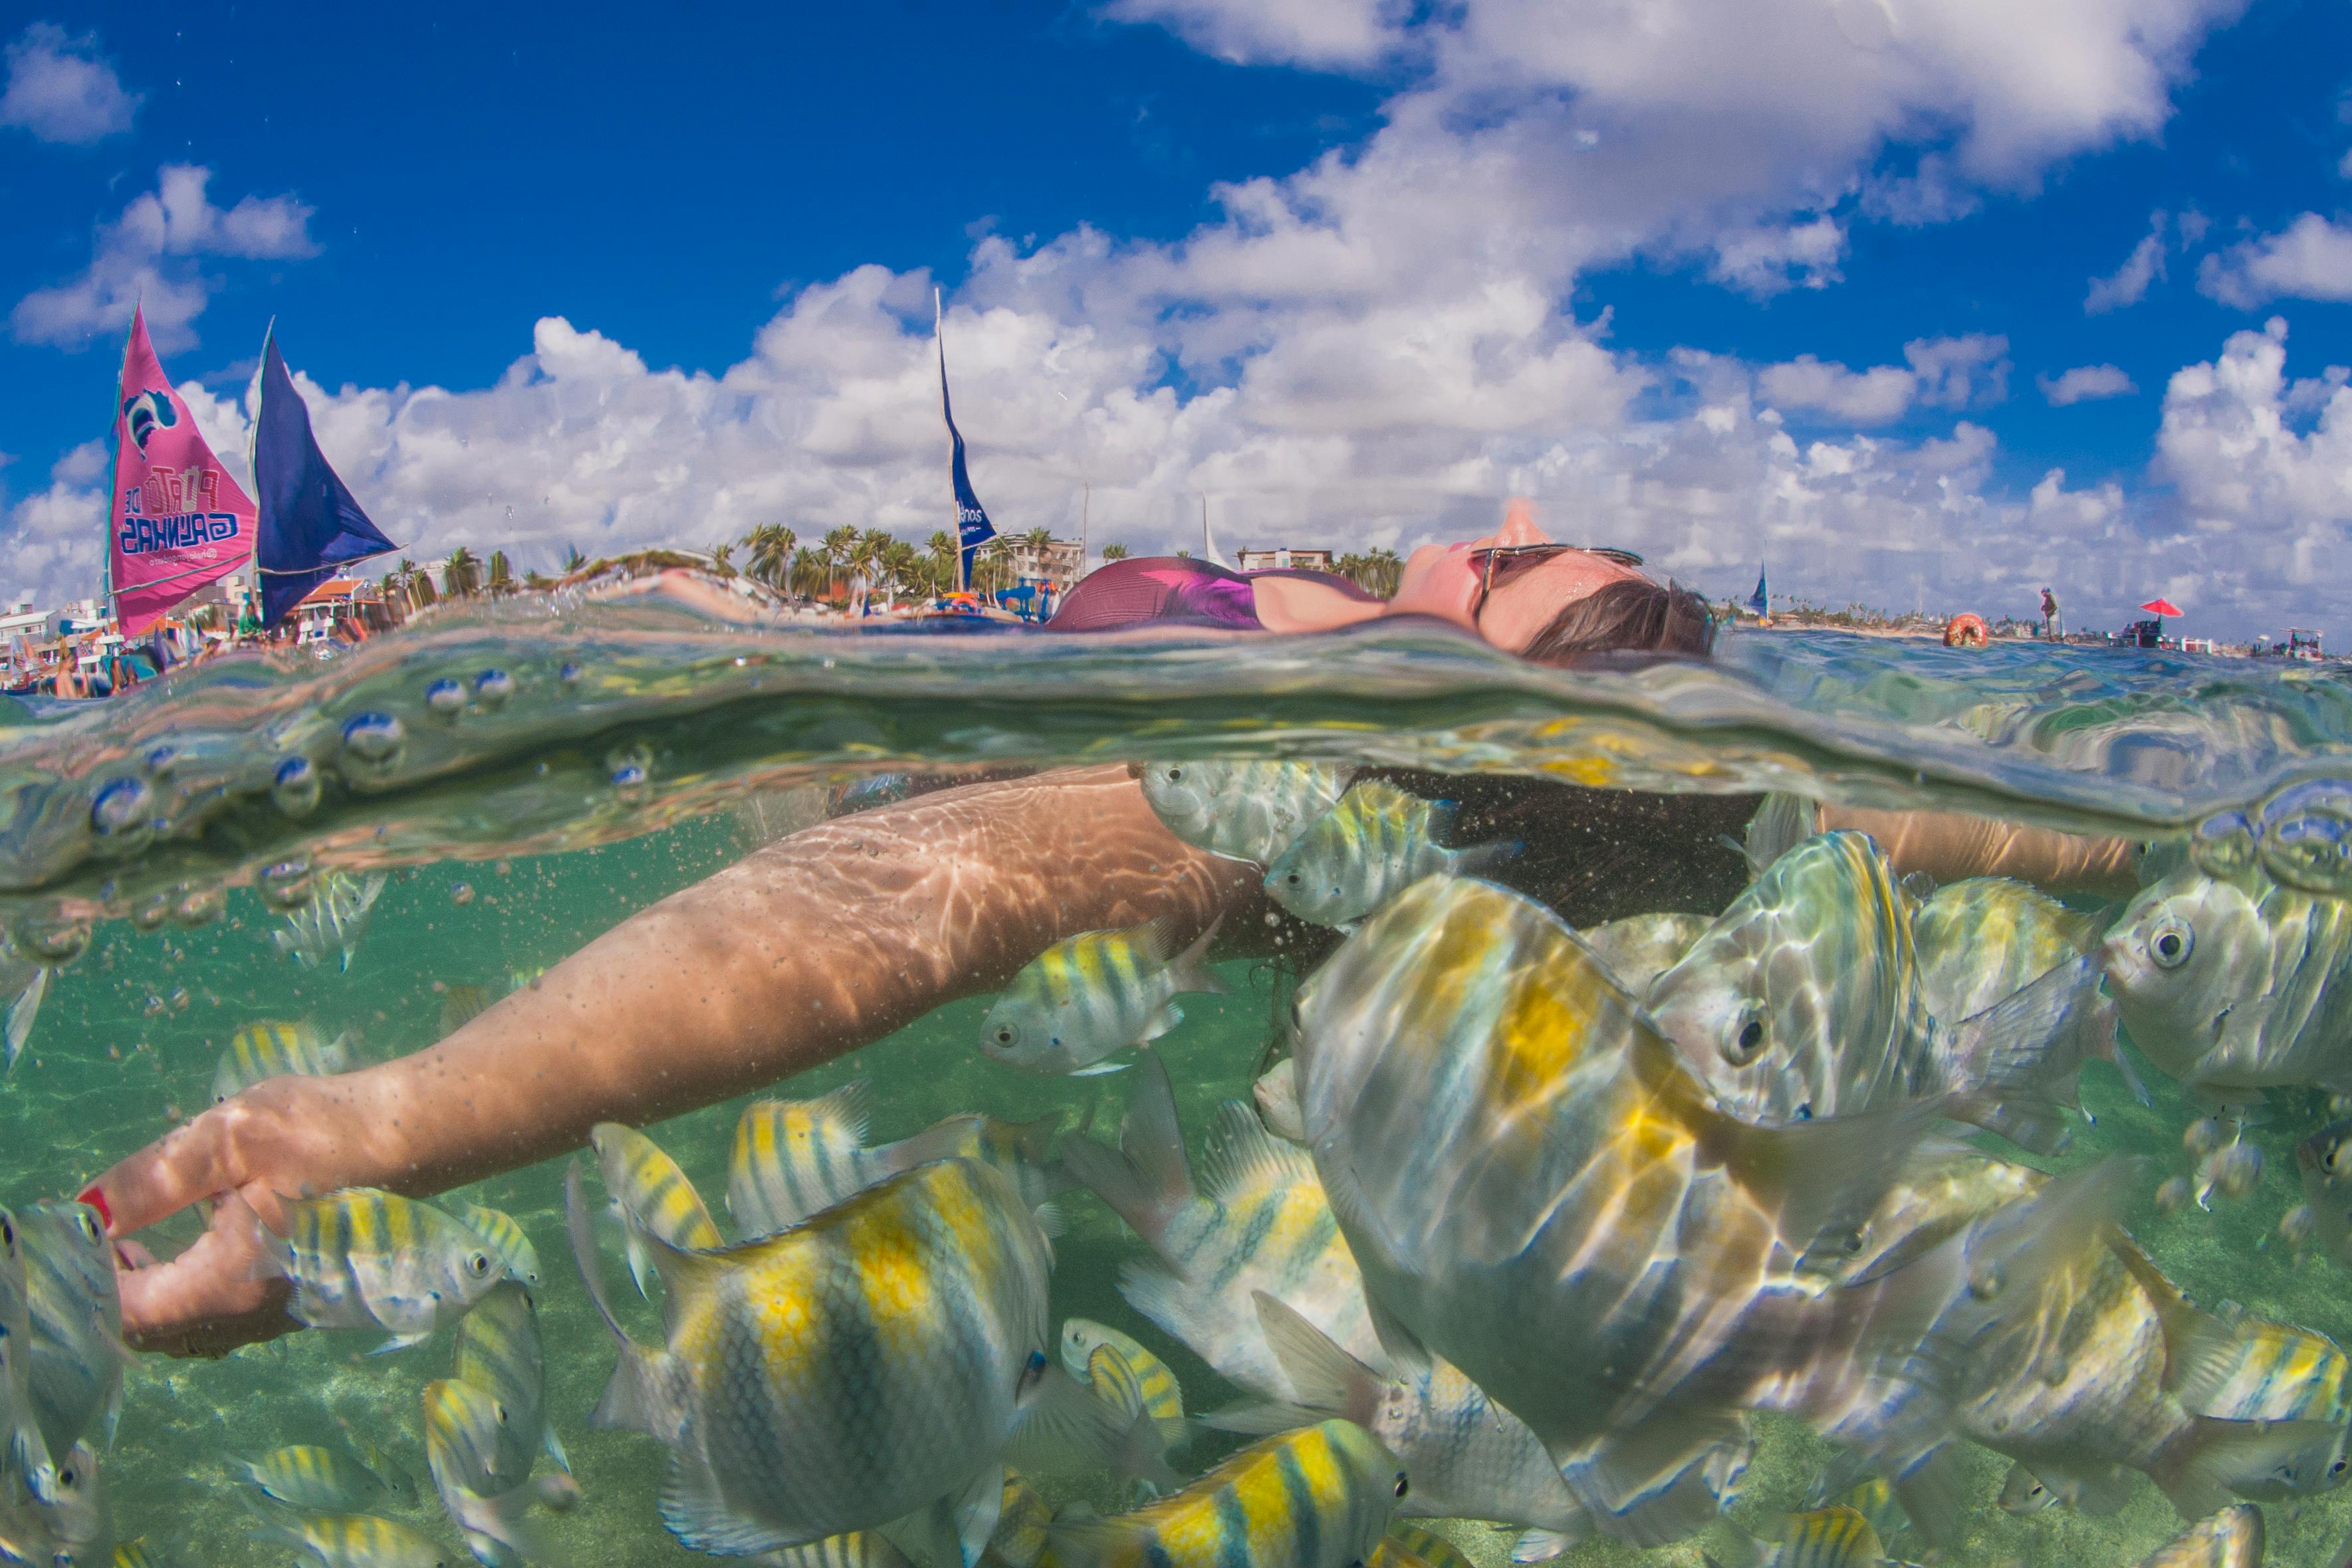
(177, 520)
(972, 527)
(310, 527)
(1760, 602)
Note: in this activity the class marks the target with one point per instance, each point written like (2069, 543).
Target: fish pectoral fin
(1100, 1070)
(1165, 1017)
(1327, 1379)
(22, 1012)
(953, 1531)
(1543, 1545)
(699, 1515)
(401, 1342)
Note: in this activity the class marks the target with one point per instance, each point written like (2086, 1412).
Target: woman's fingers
(186, 1165)
(214, 1296)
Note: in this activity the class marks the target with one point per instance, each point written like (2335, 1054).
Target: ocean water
(629, 749)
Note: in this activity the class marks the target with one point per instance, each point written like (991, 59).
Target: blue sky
(1795, 280)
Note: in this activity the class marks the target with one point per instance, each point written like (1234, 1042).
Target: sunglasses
(1499, 561)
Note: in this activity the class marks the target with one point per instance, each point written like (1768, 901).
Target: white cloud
(2084, 383)
(2265, 469)
(61, 90)
(150, 251)
(1324, 33)
(1875, 396)
(2127, 284)
(2311, 258)
(1960, 372)
(1372, 347)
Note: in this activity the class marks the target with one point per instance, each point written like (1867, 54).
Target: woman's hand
(278, 1139)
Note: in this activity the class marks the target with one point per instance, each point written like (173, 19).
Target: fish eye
(2338, 1466)
(2171, 945)
(1748, 1046)
(501, 1411)
(87, 1226)
(1006, 1034)
(478, 1264)
(66, 1476)
(1401, 1486)
(1174, 774)
(1292, 879)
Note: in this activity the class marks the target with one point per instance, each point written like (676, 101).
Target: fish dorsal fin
(2191, 1338)
(1244, 1160)
(840, 1117)
(1326, 1378)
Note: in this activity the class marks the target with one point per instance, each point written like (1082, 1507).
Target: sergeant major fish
(365, 1258)
(1986, 938)
(795, 1157)
(1468, 1457)
(1089, 995)
(334, 920)
(1540, 1192)
(1376, 842)
(645, 1183)
(2232, 985)
(2324, 1163)
(510, 1243)
(1156, 1385)
(26, 980)
(1640, 947)
(779, 1433)
(1259, 1221)
(1316, 1498)
(20, 1427)
(1833, 1537)
(498, 1350)
(316, 1479)
(269, 1048)
(2252, 1369)
(484, 1496)
(1242, 811)
(1805, 1000)
(2231, 1537)
(356, 1540)
(74, 1370)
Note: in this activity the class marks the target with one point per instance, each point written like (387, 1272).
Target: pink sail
(179, 521)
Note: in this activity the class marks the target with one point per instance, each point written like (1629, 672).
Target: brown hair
(1632, 616)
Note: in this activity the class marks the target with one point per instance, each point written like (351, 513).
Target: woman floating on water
(838, 935)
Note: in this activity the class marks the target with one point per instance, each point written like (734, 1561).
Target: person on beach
(2053, 628)
(836, 936)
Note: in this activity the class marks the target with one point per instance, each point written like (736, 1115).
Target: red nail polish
(96, 1200)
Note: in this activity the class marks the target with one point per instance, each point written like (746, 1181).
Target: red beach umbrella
(2162, 607)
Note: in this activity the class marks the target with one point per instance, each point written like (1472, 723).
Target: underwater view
(592, 1081)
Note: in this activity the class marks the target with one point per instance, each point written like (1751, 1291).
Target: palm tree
(722, 559)
(905, 568)
(501, 572)
(770, 546)
(1377, 571)
(865, 552)
(941, 550)
(572, 560)
(808, 573)
(1114, 553)
(461, 574)
(838, 543)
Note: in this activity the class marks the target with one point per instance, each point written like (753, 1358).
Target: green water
(131, 1029)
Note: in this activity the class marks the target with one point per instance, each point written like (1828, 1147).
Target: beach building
(1055, 564)
(1283, 558)
(348, 605)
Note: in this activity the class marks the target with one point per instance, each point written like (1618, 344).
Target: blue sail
(309, 523)
(972, 527)
(1760, 603)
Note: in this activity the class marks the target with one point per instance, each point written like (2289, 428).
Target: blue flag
(972, 527)
(1760, 603)
(310, 523)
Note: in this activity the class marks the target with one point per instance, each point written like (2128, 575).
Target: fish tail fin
(1478, 860)
(1665, 1479)
(1325, 1377)
(2213, 1458)
(635, 1399)
(558, 1493)
(274, 1257)
(503, 1520)
(21, 1014)
(2017, 1060)
(1086, 1544)
(1146, 1180)
(1189, 970)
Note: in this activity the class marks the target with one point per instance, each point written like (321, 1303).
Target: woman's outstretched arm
(810, 947)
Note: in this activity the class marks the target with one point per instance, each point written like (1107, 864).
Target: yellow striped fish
(134, 1554)
(1242, 811)
(316, 1480)
(498, 1350)
(1093, 994)
(365, 1258)
(646, 1186)
(1641, 948)
(486, 1493)
(271, 1049)
(1316, 1498)
(1259, 1221)
(1422, 1545)
(866, 1365)
(1022, 1521)
(1375, 843)
(2252, 1369)
(1989, 938)
(1083, 1339)
(858, 1549)
(359, 1541)
(2231, 1537)
(796, 1157)
(1833, 1537)
(508, 1243)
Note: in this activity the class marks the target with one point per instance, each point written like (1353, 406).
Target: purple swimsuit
(1173, 590)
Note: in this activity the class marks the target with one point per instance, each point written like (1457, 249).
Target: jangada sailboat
(310, 523)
